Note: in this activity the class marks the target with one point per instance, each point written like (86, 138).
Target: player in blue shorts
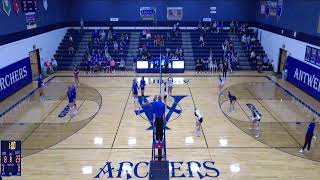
(41, 87)
(232, 100)
(142, 86)
(71, 99)
(74, 92)
(135, 89)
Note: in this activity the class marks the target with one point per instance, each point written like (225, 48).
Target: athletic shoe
(301, 151)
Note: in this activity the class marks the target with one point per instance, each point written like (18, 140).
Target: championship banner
(6, 7)
(312, 55)
(273, 6)
(15, 6)
(304, 76)
(15, 77)
(174, 13)
(45, 4)
(279, 8)
(30, 7)
(262, 7)
(148, 13)
(308, 53)
(267, 9)
(31, 20)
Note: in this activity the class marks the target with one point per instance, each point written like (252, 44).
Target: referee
(158, 115)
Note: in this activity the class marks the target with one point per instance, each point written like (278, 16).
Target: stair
(243, 59)
(188, 52)
(133, 49)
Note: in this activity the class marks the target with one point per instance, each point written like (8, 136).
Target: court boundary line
(259, 101)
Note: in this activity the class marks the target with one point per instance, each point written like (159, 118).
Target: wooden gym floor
(107, 128)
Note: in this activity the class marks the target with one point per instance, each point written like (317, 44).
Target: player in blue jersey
(309, 135)
(135, 89)
(41, 87)
(142, 86)
(232, 100)
(70, 99)
(74, 92)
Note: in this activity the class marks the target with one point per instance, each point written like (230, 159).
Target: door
(35, 63)
(282, 60)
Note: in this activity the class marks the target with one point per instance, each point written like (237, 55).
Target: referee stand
(159, 165)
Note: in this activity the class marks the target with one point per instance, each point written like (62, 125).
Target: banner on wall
(304, 76)
(273, 6)
(29, 8)
(312, 55)
(15, 6)
(262, 7)
(15, 77)
(6, 7)
(45, 4)
(174, 13)
(279, 8)
(148, 13)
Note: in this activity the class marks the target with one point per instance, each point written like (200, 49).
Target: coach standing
(309, 135)
(158, 115)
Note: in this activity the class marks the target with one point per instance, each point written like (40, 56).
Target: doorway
(282, 60)
(35, 63)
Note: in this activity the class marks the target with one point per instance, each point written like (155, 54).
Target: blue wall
(298, 15)
(128, 10)
(16, 22)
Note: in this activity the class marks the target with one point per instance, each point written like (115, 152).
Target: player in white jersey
(199, 120)
(170, 85)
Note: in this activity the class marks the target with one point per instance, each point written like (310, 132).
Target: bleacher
(212, 41)
(258, 49)
(81, 42)
(188, 40)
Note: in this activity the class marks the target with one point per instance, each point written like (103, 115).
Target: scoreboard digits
(10, 158)
(29, 5)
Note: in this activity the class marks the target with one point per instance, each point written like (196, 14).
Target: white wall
(47, 42)
(272, 43)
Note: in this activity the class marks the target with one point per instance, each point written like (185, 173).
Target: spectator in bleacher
(54, 64)
(148, 36)
(162, 41)
(200, 26)
(81, 25)
(253, 56)
(102, 35)
(214, 27)
(220, 27)
(232, 27)
(157, 39)
(122, 65)
(243, 39)
(265, 60)
(248, 45)
(225, 69)
(110, 34)
(71, 48)
(168, 36)
(126, 38)
(253, 41)
(201, 41)
(144, 34)
(259, 64)
(198, 66)
(112, 65)
(115, 46)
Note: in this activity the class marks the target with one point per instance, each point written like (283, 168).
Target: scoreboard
(29, 5)
(10, 158)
